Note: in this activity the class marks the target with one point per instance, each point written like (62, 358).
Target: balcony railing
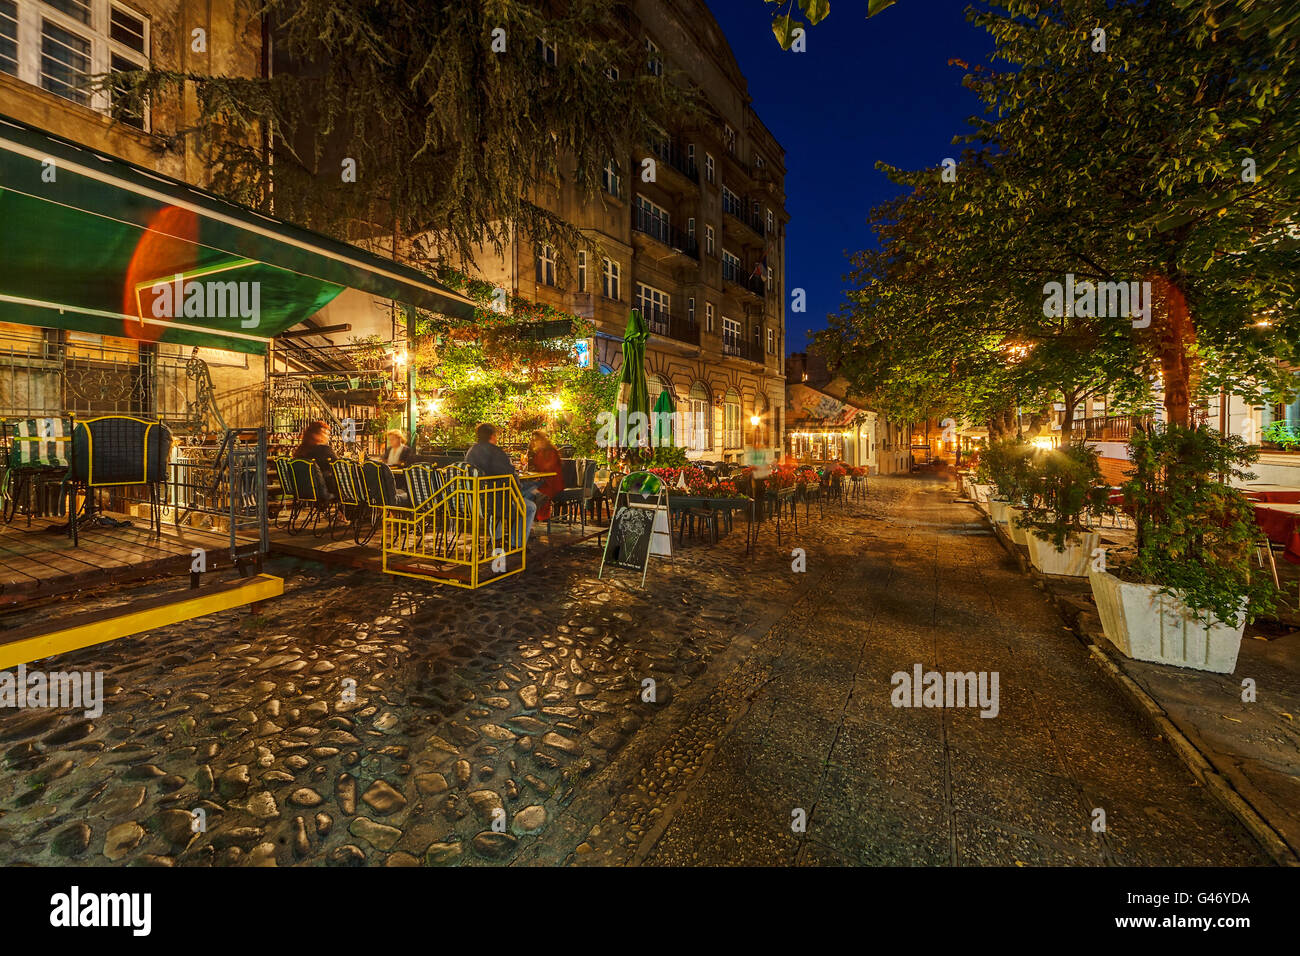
(744, 278)
(672, 154)
(662, 322)
(734, 345)
(665, 233)
(740, 208)
(1112, 427)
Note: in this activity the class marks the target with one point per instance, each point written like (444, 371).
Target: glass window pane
(65, 63)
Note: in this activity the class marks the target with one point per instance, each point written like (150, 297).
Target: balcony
(664, 233)
(671, 155)
(735, 346)
(1112, 427)
(744, 278)
(663, 323)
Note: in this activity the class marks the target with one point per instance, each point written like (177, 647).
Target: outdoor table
(1281, 525)
(535, 475)
(683, 502)
(1277, 494)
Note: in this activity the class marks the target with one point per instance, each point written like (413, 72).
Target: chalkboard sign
(630, 532)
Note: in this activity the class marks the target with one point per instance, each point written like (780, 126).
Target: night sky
(865, 90)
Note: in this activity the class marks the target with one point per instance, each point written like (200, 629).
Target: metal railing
(665, 233)
(222, 482)
(669, 152)
(470, 532)
(734, 345)
(745, 279)
(662, 322)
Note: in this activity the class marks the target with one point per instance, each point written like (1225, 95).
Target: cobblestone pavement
(511, 725)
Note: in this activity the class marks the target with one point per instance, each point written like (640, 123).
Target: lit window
(708, 316)
(545, 265)
(610, 180)
(690, 310)
(610, 279)
(771, 341)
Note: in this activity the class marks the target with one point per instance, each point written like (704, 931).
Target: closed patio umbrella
(662, 429)
(633, 392)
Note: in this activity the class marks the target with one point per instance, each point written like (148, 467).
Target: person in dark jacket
(315, 446)
(398, 454)
(487, 459)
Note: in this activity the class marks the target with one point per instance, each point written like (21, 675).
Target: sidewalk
(1247, 753)
(801, 756)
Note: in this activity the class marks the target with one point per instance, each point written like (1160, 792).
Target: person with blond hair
(397, 454)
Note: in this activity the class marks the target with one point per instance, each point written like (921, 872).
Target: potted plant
(1006, 465)
(1185, 595)
(1066, 485)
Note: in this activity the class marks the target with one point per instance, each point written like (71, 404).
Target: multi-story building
(700, 249)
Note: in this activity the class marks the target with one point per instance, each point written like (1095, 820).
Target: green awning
(96, 244)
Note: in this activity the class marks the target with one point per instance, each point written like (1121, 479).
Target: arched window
(733, 435)
(762, 410)
(697, 419)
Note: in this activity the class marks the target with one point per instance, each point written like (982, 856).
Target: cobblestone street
(524, 706)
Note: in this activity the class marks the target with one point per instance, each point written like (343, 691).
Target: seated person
(543, 457)
(487, 458)
(398, 454)
(315, 446)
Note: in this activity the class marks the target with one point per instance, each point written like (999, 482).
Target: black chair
(579, 488)
(284, 472)
(312, 499)
(352, 497)
(115, 451)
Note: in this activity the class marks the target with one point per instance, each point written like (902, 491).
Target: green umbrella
(662, 429)
(633, 392)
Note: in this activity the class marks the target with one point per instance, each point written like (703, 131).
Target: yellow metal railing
(470, 532)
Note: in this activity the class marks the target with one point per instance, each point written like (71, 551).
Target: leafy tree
(455, 121)
(786, 22)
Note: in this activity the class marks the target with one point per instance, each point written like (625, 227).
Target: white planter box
(1149, 626)
(982, 492)
(1018, 534)
(998, 510)
(1073, 562)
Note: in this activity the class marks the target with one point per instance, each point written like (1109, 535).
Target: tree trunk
(1070, 398)
(1175, 342)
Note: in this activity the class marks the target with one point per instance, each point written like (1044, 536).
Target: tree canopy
(1146, 141)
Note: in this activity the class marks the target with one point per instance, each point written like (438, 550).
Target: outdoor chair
(602, 502)
(579, 488)
(39, 451)
(117, 451)
(311, 497)
(352, 497)
(381, 489)
(284, 472)
(857, 486)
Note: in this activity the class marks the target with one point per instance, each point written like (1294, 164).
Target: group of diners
(485, 457)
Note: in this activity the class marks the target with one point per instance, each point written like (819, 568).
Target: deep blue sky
(865, 90)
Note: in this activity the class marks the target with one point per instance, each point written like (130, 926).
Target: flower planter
(1018, 534)
(1073, 562)
(998, 510)
(1147, 625)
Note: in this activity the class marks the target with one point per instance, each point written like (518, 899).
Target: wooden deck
(38, 562)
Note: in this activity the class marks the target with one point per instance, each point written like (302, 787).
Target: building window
(697, 419)
(61, 45)
(547, 51)
(610, 181)
(690, 230)
(654, 62)
(708, 239)
(731, 268)
(652, 219)
(771, 341)
(771, 222)
(545, 265)
(729, 138)
(732, 436)
(655, 306)
(582, 270)
(759, 161)
(731, 203)
(690, 156)
(731, 336)
(690, 311)
(611, 72)
(708, 316)
(610, 279)
(708, 166)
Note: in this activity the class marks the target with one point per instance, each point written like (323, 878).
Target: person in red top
(543, 456)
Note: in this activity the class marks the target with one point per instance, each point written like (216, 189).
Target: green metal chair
(40, 449)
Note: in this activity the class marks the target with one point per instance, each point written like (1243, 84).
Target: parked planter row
(1140, 621)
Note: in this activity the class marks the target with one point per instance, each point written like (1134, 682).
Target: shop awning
(95, 244)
